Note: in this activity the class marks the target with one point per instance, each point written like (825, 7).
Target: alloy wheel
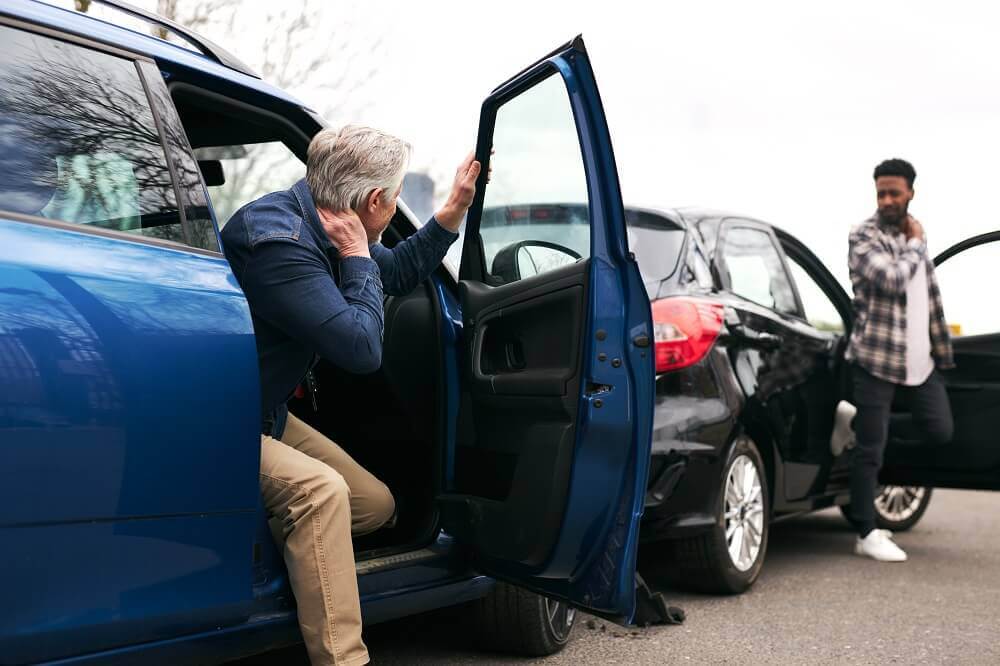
(744, 505)
(560, 617)
(899, 503)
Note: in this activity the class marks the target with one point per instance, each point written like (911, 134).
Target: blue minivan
(511, 418)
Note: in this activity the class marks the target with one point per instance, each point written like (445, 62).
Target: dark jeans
(931, 423)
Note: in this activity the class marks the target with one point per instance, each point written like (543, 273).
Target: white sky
(778, 110)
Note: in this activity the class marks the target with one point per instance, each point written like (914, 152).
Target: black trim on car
(182, 215)
(967, 244)
(292, 135)
(109, 233)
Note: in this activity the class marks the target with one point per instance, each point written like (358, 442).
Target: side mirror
(530, 257)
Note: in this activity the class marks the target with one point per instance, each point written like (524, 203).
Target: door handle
(765, 341)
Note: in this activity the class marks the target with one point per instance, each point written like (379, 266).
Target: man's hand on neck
(912, 228)
(345, 231)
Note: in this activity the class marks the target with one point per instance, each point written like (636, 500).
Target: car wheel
(729, 557)
(516, 621)
(898, 508)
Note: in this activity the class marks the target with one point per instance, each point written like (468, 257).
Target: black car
(749, 334)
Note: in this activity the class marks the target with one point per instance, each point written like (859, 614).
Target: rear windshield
(656, 242)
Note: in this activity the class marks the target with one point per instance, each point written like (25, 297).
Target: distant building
(418, 193)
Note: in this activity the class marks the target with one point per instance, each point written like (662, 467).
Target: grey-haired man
(313, 271)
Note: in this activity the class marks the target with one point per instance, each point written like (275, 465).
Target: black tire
(897, 508)
(703, 563)
(515, 621)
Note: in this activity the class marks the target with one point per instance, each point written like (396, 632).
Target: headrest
(28, 172)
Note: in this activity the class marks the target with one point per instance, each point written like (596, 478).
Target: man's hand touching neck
(345, 231)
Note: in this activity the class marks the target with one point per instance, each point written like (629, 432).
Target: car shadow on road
(812, 542)
(808, 541)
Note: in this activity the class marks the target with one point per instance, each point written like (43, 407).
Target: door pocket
(531, 347)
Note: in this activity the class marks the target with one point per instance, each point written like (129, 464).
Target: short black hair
(897, 167)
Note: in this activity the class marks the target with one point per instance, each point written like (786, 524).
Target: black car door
(827, 309)
(780, 360)
(972, 459)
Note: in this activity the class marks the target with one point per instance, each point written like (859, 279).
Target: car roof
(699, 214)
(669, 213)
(162, 51)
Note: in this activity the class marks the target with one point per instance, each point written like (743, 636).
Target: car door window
(536, 215)
(819, 310)
(79, 143)
(756, 271)
(960, 279)
(248, 172)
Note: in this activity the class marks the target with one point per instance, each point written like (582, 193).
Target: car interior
(393, 426)
(504, 491)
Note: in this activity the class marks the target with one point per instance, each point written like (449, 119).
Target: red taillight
(684, 329)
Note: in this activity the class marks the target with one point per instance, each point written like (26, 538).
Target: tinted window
(656, 242)
(755, 269)
(536, 213)
(819, 309)
(78, 141)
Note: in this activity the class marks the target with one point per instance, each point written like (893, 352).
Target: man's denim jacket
(306, 300)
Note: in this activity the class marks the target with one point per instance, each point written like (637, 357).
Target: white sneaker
(879, 547)
(842, 436)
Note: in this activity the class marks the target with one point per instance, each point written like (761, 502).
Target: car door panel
(827, 311)
(526, 342)
(555, 412)
(127, 464)
(129, 401)
(972, 458)
(780, 359)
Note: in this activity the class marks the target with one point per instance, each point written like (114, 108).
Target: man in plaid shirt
(898, 342)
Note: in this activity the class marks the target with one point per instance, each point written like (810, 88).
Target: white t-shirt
(919, 362)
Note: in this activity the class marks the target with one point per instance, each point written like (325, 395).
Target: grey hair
(344, 166)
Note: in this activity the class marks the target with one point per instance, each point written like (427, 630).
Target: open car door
(972, 459)
(554, 421)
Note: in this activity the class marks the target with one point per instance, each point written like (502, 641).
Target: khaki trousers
(320, 496)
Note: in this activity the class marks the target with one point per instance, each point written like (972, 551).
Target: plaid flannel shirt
(881, 262)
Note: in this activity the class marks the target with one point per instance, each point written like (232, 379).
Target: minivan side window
(755, 269)
(79, 143)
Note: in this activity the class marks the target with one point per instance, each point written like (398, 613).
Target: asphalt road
(815, 603)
